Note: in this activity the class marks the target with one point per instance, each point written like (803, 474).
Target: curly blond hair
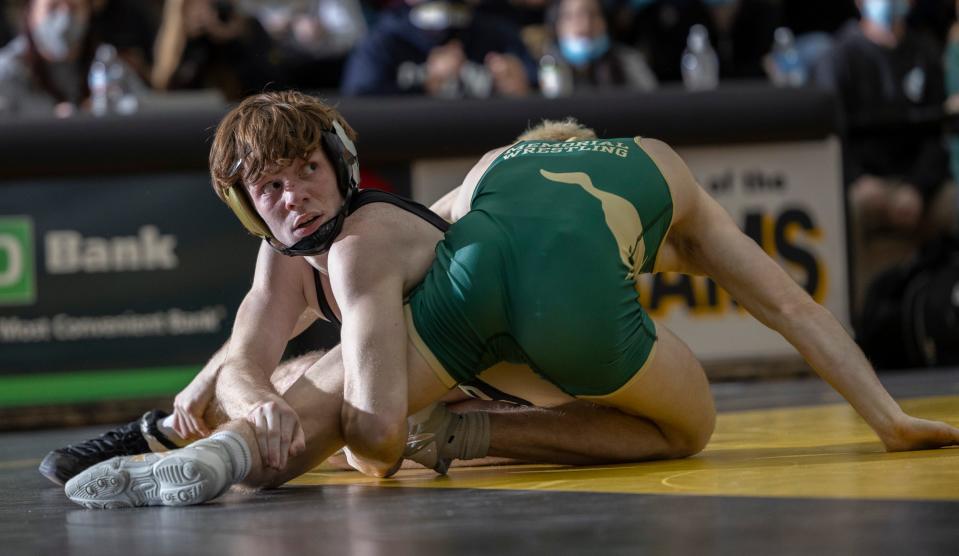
(557, 130)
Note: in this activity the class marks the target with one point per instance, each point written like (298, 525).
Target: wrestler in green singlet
(542, 269)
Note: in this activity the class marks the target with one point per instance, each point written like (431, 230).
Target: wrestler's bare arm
(368, 286)
(209, 372)
(264, 323)
(191, 403)
(710, 241)
(455, 204)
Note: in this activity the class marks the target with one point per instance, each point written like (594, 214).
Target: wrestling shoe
(429, 431)
(192, 475)
(126, 440)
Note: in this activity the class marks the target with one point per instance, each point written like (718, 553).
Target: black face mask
(319, 241)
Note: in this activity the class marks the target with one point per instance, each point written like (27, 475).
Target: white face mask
(59, 34)
(885, 13)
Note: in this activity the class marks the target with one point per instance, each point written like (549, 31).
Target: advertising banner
(117, 273)
(786, 196)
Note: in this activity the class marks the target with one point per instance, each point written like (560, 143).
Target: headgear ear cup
(351, 148)
(240, 204)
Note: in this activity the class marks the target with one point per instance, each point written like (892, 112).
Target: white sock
(236, 448)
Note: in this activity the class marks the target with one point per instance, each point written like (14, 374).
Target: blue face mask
(580, 51)
(885, 13)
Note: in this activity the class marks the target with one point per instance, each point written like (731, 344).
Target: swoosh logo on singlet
(622, 219)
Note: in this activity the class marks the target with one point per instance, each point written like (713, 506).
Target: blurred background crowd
(472, 48)
(892, 64)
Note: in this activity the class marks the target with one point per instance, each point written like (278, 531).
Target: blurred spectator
(44, 69)
(131, 27)
(441, 48)
(583, 42)
(314, 38)
(659, 28)
(887, 78)
(812, 23)
(213, 44)
(742, 33)
(318, 27)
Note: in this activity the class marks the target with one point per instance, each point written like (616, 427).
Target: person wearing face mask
(440, 48)
(44, 69)
(583, 42)
(885, 77)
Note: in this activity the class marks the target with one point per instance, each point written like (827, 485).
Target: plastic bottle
(789, 70)
(700, 66)
(99, 80)
(554, 78)
(110, 90)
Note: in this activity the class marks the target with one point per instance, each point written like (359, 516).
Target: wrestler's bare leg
(317, 398)
(289, 371)
(665, 412)
(284, 377)
(623, 429)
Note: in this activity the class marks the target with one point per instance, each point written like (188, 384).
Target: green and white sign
(17, 269)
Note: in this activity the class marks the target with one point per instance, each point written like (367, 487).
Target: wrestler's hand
(278, 431)
(912, 433)
(188, 409)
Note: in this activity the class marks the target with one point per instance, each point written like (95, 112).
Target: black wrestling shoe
(63, 464)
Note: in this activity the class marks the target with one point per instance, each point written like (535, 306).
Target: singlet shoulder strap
(367, 196)
(325, 308)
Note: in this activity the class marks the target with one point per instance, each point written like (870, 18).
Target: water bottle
(99, 81)
(110, 90)
(555, 79)
(700, 66)
(788, 69)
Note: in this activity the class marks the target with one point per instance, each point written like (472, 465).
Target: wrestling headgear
(341, 152)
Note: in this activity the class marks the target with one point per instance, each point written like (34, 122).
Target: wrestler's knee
(373, 437)
(692, 437)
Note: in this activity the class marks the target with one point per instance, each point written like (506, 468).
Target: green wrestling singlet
(542, 269)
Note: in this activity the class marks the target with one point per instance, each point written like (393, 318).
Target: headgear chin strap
(341, 152)
(320, 240)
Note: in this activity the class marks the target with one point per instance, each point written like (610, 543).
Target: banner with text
(98, 273)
